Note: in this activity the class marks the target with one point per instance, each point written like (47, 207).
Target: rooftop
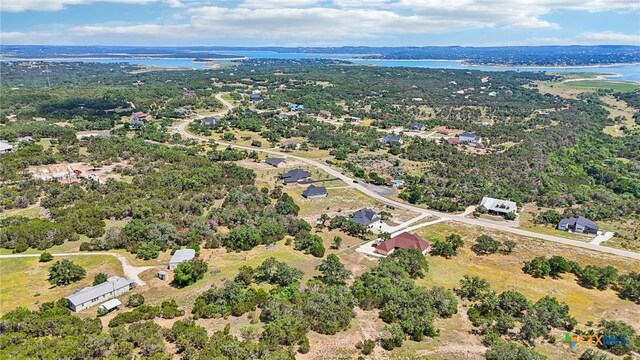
(363, 216)
(182, 255)
(498, 205)
(93, 292)
(404, 241)
(314, 191)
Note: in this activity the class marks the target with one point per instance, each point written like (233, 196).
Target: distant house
(391, 139)
(579, 224)
(498, 206)
(92, 295)
(210, 122)
(139, 116)
(293, 176)
(5, 148)
(417, 126)
(255, 97)
(314, 192)
(453, 141)
(110, 305)
(470, 137)
(397, 183)
(276, 162)
(136, 123)
(444, 130)
(181, 111)
(367, 218)
(402, 241)
(324, 114)
(296, 107)
(353, 119)
(282, 116)
(290, 144)
(248, 112)
(180, 256)
(25, 139)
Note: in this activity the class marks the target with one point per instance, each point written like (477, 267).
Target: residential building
(324, 114)
(498, 206)
(470, 137)
(417, 126)
(248, 112)
(397, 183)
(276, 162)
(210, 122)
(391, 139)
(110, 305)
(453, 141)
(283, 116)
(296, 107)
(5, 147)
(444, 130)
(136, 123)
(367, 218)
(139, 116)
(313, 192)
(353, 119)
(180, 256)
(93, 295)
(578, 224)
(293, 176)
(181, 111)
(402, 241)
(255, 97)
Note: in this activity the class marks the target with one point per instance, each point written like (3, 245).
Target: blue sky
(320, 22)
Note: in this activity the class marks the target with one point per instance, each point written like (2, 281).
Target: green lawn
(23, 281)
(600, 84)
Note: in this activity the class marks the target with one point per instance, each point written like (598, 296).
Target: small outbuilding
(180, 256)
(162, 275)
(109, 306)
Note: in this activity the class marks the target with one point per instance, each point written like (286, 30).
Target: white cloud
(56, 5)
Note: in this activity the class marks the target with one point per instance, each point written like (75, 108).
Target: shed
(162, 275)
(109, 305)
(180, 256)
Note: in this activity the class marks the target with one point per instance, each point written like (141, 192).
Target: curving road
(131, 272)
(182, 126)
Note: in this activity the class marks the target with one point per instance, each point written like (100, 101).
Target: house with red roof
(402, 241)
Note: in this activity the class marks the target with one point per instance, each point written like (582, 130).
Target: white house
(5, 148)
(498, 206)
(92, 295)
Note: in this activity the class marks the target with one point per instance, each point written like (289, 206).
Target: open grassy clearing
(504, 272)
(617, 109)
(623, 86)
(24, 280)
(32, 212)
(527, 215)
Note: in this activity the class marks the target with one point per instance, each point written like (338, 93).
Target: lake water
(618, 72)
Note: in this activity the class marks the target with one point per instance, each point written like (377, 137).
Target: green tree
(46, 256)
(513, 303)
(618, 330)
(337, 242)
(486, 245)
(558, 265)
(411, 260)
(509, 246)
(442, 248)
(473, 288)
(504, 350)
(64, 272)
(188, 272)
(99, 279)
(629, 286)
(333, 271)
(538, 267)
(135, 300)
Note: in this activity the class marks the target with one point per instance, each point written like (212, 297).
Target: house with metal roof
(5, 147)
(578, 224)
(403, 241)
(93, 295)
(296, 107)
(109, 305)
(210, 122)
(417, 126)
(276, 162)
(182, 255)
(391, 139)
(498, 206)
(314, 192)
(470, 138)
(255, 97)
(367, 218)
(293, 176)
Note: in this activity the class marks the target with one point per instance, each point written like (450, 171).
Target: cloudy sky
(320, 22)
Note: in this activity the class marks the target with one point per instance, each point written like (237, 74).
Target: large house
(314, 192)
(470, 138)
(579, 224)
(181, 256)
(367, 218)
(391, 139)
(276, 162)
(498, 206)
(93, 295)
(296, 107)
(293, 176)
(255, 97)
(402, 241)
(210, 122)
(139, 116)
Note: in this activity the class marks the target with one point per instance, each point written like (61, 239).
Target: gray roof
(391, 138)
(363, 216)
(209, 121)
(294, 175)
(314, 191)
(4, 146)
(274, 161)
(182, 255)
(417, 125)
(469, 135)
(579, 220)
(92, 292)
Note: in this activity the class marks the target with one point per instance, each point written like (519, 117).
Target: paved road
(131, 272)
(181, 128)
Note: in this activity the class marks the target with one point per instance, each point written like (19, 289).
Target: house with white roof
(93, 295)
(180, 256)
(498, 206)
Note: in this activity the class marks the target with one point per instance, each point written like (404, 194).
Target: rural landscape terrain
(318, 209)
